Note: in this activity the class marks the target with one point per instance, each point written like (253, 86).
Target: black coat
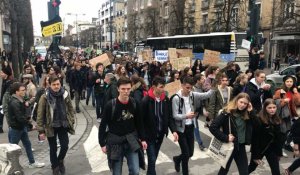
(295, 131)
(253, 61)
(110, 92)
(265, 137)
(255, 94)
(237, 88)
(16, 114)
(77, 80)
(221, 121)
(147, 109)
(99, 87)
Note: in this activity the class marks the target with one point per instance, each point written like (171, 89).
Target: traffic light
(253, 18)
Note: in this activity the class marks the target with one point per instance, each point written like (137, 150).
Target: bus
(227, 43)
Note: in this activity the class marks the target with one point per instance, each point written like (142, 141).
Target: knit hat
(289, 76)
(7, 71)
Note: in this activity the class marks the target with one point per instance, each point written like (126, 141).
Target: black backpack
(181, 102)
(114, 102)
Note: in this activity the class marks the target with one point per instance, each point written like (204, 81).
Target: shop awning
(286, 37)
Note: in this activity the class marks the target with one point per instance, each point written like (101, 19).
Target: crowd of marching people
(136, 112)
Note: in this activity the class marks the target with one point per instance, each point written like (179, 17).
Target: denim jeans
(197, 133)
(16, 135)
(186, 143)
(272, 159)
(90, 91)
(152, 153)
(77, 98)
(99, 101)
(240, 157)
(64, 145)
(132, 162)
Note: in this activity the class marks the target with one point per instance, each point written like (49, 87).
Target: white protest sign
(246, 44)
(161, 55)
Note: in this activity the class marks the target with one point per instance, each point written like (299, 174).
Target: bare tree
(151, 21)
(226, 16)
(177, 11)
(133, 27)
(286, 16)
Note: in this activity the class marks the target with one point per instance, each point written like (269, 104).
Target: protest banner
(211, 57)
(181, 63)
(173, 88)
(147, 55)
(172, 53)
(104, 59)
(246, 44)
(184, 53)
(161, 55)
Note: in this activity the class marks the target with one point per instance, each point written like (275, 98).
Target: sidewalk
(41, 150)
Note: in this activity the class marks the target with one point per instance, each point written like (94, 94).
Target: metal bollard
(9, 160)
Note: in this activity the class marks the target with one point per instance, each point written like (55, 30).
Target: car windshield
(288, 71)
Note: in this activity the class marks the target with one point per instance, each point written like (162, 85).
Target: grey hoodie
(180, 118)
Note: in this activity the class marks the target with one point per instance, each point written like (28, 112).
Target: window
(289, 9)
(218, 20)
(234, 17)
(204, 19)
(142, 4)
(166, 10)
(166, 28)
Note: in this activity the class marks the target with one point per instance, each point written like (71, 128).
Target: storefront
(285, 43)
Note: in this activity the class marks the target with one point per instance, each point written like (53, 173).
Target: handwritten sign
(181, 63)
(211, 57)
(161, 55)
(173, 88)
(147, 55)
(104, 59)
(246, 44)
(184, 53)
(172, 53)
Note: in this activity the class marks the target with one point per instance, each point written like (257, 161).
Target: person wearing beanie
(6, 75)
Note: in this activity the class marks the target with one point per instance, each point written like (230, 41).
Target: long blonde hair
(232, 107)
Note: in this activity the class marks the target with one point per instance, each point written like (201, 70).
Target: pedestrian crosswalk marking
(97, 159)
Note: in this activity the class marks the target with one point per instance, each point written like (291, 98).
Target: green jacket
(45, 115)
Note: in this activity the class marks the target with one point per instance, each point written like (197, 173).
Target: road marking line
(97, 159)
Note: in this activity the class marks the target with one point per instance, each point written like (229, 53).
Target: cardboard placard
(172, 53)
(211, 57)
(147, 55)
(173, 88)
(104, 59)
(181, 63)
(184, 53)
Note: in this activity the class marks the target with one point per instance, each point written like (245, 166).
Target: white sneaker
(98, 120)
(284, 154)
(32, 149)
(36, 165)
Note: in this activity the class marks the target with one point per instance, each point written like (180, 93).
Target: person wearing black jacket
(157, 118)
(77, 81)
(90, 83)
(99, 89)
(253, 59)
(239, 113)
(295, 133)
(6, 75)
(18, 122)
(258, 90)
(121, 116)
(266, 138)
(110, 90)
(240, 84)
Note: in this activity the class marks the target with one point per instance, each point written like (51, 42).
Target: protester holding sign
(239, 112)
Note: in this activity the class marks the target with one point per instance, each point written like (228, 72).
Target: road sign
(52, 29)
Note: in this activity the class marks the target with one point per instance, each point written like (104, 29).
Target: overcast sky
(89, 8)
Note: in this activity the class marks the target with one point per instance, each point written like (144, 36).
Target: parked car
(275, 79)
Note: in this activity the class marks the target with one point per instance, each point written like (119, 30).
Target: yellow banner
(52, 29)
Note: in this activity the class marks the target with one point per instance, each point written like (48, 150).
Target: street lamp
(110, 24)
(77, 34)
